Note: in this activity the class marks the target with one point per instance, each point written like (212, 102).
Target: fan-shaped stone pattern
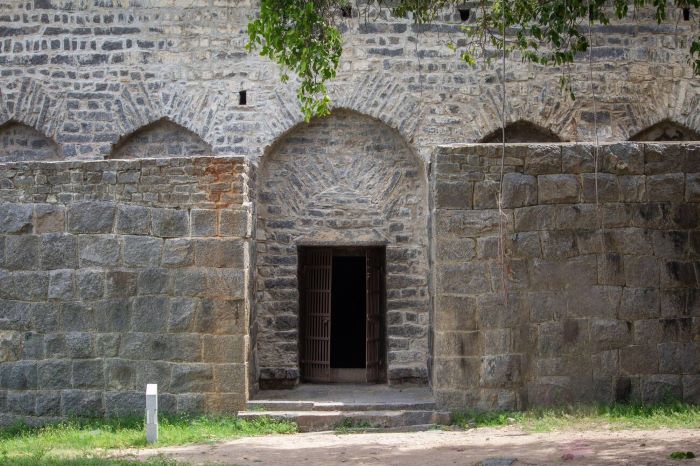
(162, 138)
(346, 179)
(666, 131)
(522, 131)
(20, 142)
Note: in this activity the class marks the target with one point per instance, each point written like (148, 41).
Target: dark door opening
(348, 313)
(341, 314)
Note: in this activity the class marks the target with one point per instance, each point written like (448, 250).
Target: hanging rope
(501, 214)
(599, 214)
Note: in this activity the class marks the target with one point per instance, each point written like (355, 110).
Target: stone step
(308, 421)
(297, 405)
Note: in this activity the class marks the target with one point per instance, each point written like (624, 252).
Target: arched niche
(666, 131)
(20, 142)
(522, 131)
(162, 138)
(343, 180)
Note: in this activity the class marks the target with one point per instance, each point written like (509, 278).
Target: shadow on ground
(492, 447)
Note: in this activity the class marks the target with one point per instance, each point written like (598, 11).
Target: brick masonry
(602, 298)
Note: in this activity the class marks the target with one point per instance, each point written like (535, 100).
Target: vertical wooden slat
(315, 307)
(374, 281)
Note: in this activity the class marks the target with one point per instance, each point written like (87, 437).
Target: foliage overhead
(304, 38)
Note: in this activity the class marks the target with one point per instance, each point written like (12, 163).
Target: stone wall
(601, 299)
(115, 274)
(342, 180)
(88, 73)
(159, 139)
(19, 142)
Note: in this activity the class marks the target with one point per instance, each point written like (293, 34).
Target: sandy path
(448, 447)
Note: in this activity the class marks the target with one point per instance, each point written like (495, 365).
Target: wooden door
(374, 298)
(315, 313)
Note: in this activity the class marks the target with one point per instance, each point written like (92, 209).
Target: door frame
(352, 250)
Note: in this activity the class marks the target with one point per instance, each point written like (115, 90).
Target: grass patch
(618, 416)
(92, 461)
(88, 442)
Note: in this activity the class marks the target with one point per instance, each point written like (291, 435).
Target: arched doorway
(341, 187)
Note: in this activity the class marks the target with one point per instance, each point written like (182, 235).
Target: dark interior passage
(348, 319)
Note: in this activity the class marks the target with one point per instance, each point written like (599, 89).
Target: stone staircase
(349, 407)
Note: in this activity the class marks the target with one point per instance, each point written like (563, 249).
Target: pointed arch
(162, 138)
(345, 179)
(666, 131)
(20, 142)
(522, 131)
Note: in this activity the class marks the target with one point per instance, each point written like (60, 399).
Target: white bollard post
(151, 413)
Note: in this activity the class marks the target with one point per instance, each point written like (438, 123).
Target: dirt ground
(487, 447)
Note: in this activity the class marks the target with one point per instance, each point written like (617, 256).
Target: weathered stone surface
(679, 358)
(61, 284)
(632, 188)
(558, 189)
(82, 402)
(19, 375)
(223, 348)
(183, 314)
(88, 373)
(641, 271)
(468, 278)
(59, 251)
(519, 190)
(500, 371)
(49, 218)
(602, 187)
(22, 403)
(48, 403)
(451, 248)
(133, 220)
(214, 252)
(120, 284)
(22, 252)
(610, 334)
(99, 250)
(668, 187)
(204, 222)
(170, 223)
(91, 217)
(112, 315)
(461, 344)
(660, 388)
(15, 218)
(233, 223)
(192, 378)
(178, 252)
(120, 374)
(140, 251)
(692, 187)
(150, 314)
(639, 359)
(543, 159)
(485, 195)
(90, 283)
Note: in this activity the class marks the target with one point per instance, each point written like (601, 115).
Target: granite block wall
(587, 301)
(115, 274)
